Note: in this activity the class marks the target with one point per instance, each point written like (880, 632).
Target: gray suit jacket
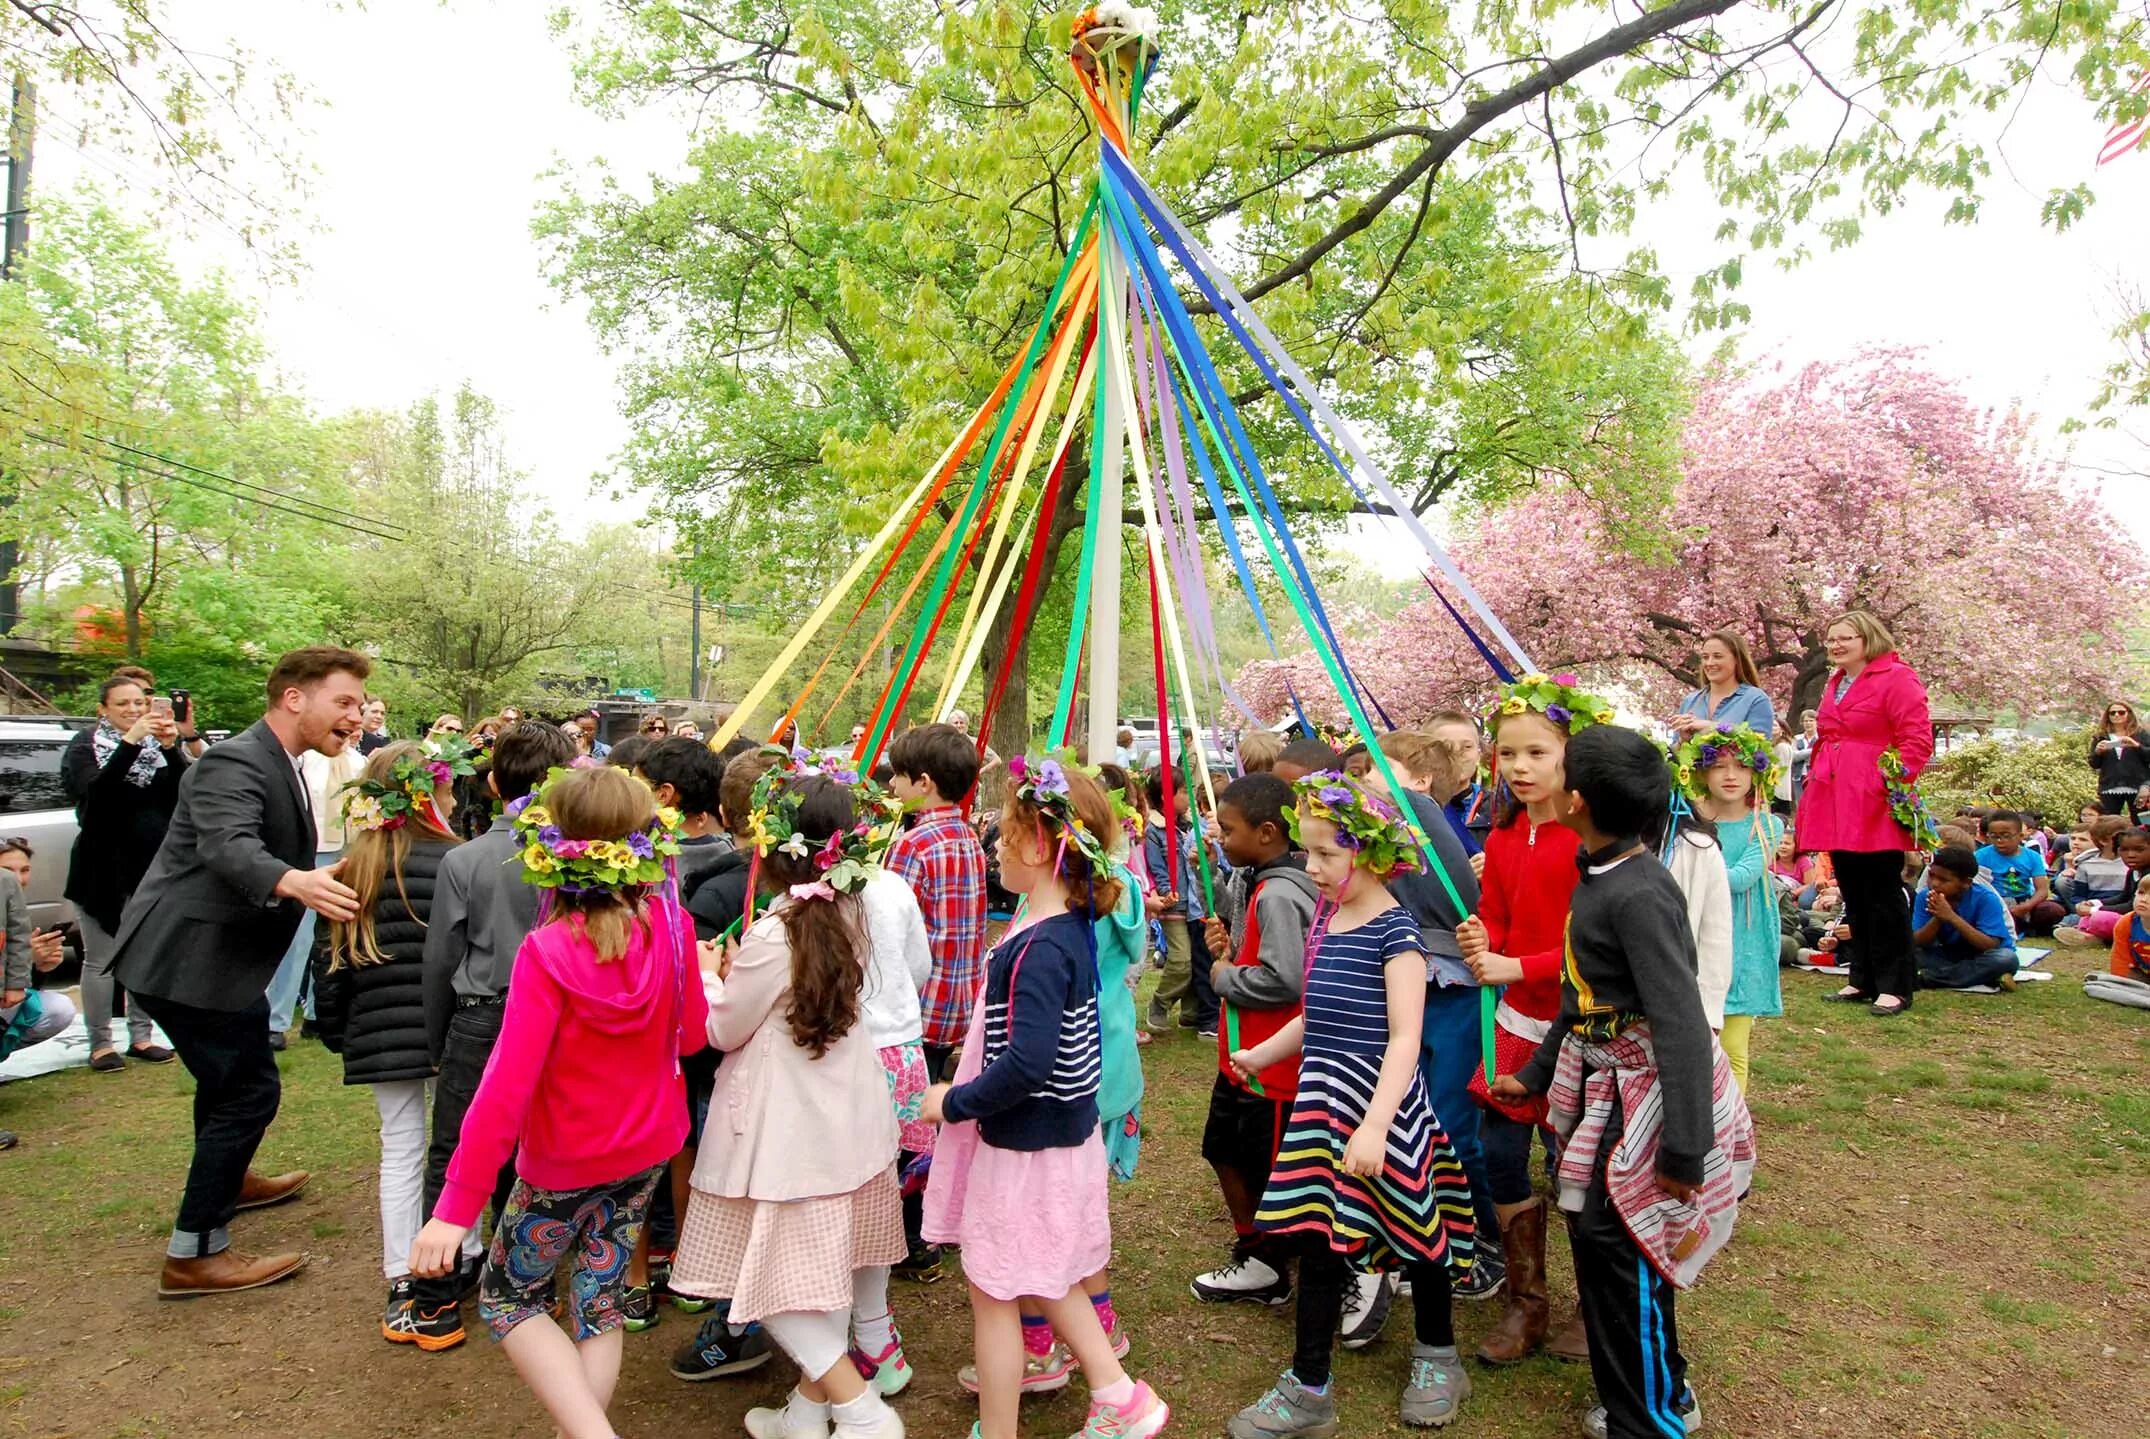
(204, 926)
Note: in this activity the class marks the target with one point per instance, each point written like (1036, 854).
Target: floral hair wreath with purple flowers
(1365, 823)
(845, 860)
(1554, 696)
(1700, 750)
(1043, 785)
(577, 866)
(372, 804)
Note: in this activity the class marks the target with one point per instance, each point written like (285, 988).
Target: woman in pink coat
(1872, 702)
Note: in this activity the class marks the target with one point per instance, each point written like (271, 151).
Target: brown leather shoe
(258, 1192)
(1523, 1315)
(223, 1273)
(1571, 1343)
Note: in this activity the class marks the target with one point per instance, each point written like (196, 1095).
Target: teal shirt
(1748, 845)
(1122, 939)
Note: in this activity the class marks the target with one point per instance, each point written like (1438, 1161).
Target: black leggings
(1323, 1273)
(1879, 913)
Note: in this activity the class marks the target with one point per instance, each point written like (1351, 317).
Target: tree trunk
(1009, 733)
(1807, 683)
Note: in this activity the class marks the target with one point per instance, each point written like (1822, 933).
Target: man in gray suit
(201, 938)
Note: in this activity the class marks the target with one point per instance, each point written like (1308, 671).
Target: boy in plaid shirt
(936, 767)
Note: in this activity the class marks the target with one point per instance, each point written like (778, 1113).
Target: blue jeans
(1448, 1057)
(1941, 969)
(290, 975)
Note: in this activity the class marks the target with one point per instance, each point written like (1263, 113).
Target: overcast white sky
(438, 124)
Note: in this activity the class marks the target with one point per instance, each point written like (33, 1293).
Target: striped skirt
(1417, 1210)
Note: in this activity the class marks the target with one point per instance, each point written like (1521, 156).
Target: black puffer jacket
(374, 1014)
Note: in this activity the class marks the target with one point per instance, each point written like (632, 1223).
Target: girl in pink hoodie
(584, 1088)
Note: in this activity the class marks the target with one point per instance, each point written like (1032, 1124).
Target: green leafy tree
(2047, 775)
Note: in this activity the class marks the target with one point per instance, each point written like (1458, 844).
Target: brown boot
(1524, 1316)
(1572, 1343)
(257, 1191)
(223, 1273)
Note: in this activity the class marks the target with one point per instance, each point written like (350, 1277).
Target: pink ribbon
(819, 889)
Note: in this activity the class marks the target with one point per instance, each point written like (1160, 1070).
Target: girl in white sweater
(1690, 850)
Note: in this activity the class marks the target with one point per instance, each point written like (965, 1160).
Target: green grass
(1939, 1243)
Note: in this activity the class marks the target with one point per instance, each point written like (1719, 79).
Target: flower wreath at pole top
(1698, 752)
(846, 859)
(553, 861)
(1554, 696)
(1365, 823)
(371, 805)
(1043, 784)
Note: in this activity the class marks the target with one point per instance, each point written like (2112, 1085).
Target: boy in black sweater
(1631, 1057)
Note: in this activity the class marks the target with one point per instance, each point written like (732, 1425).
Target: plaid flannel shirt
(942, 861)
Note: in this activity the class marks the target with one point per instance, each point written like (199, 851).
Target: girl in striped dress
(1365, 1175)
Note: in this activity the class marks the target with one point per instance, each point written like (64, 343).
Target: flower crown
(1554, 696)
(1699, 751)
(1043, 785)
(577, 866)
(1365, 823)
(371, 805)
(846, 859)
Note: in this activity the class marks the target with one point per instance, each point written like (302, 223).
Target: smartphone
(158, 704)
(183, 705)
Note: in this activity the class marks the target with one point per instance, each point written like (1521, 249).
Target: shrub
(2047, 775)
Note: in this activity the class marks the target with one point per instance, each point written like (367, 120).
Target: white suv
(35, 807)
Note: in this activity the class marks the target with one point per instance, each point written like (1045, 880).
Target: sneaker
(1045, 1373)
(887, 1371)
(400, 1294)
(1143, 1415)
(430, 1329)
(638, 1308)
(1366, 1308)
(1488, 1274)
(796, 1418)
(1118, 1338)
(1287, 1411)
(921, 1266)
(2072, 936)
(716, 1352)
(1209, 1033)
(107, 1063)
(1436, 1389)
(1689, 1407)
(1245, 1278)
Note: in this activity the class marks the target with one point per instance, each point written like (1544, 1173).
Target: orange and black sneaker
(431, 1329)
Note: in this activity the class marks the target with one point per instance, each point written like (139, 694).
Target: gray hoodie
(1281, 897)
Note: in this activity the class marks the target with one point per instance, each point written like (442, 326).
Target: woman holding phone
(123, 775)
(2120, 753)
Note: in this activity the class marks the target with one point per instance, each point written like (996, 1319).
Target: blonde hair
(1429, 760)
(371, 857)
(603, 803)
(1873, 632)
(1258, 751)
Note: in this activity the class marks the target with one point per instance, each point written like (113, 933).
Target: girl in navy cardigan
(1019, 1170)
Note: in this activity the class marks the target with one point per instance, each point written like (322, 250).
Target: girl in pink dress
(1019, 1172)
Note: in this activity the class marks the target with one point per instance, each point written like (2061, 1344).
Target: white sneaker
(867, 1417)
(1245, 1279)
(1366, 1308)
(800, 1418)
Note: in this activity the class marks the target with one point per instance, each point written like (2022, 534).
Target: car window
(30, 775)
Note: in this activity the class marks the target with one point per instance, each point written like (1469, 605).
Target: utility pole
(21, 135)
(694, 645)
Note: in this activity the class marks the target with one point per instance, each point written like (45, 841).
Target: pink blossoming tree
(1869, 484)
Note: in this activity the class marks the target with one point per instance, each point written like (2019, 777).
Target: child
(1729, 789)
(1177, 906)
(1515, 940)
(2128, 979)
(1453, 780)
(796, 1214)
(482, 912)
(1365, 1175)
(1960, 928)
(2020, 874)
(2095, 885)
(1018, 1178)
(1688, 846)
(1788, 865)
(27, 1016)
(936, 767)
(687, 776)
(1260, 981)
(369, 1001)
(1657, 1146)
(1258, 751)
(584, 1090)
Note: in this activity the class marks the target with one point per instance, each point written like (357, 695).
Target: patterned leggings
(535, 1233)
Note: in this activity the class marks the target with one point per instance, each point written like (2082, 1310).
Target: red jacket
(1523, 900)
(1845, 805)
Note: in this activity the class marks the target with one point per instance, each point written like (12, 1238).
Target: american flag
(2128, 134)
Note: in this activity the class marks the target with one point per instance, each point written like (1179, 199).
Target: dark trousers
(1879, 913)
(2121, 804)
(1628, 1309)
(236, 1093)
(472, 1032)
(1960, 969)
(1323, 1273)
(1448, 1057)
(1207, 1010)
(1507, 1146)
(938, 1068)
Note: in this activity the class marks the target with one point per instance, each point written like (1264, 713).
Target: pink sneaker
(1141, 1417)
(889, 1372)
(1046, 1373)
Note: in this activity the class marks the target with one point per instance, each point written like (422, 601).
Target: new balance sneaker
(887, 1371)
(1366, 1308)
(1488, 1274)
(1045, 1373)
(717, 1352)
(1246, 1279)
(1689, 1407)
(638, 1308)
(430, 1329)
(1436, 1388)
(1143, 1415)
(1288, 1411)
